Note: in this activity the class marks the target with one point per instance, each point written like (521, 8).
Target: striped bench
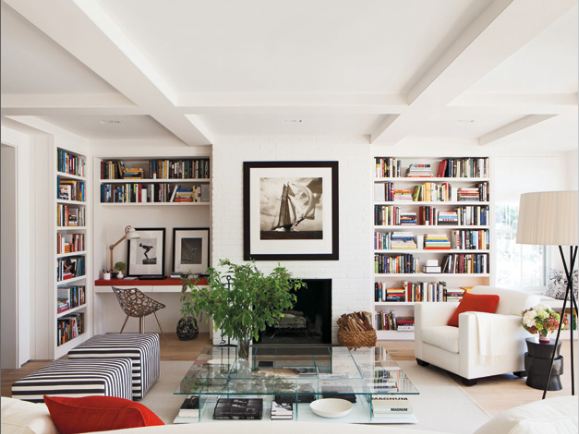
(107, 377)
(143, 350)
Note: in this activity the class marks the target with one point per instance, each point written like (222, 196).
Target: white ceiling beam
(502, 29)
(493, 103)
(105, 104)
(97, 42)
(512, 128)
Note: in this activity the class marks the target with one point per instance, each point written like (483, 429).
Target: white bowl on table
(331, 407)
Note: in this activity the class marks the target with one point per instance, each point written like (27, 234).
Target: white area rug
(441, 405)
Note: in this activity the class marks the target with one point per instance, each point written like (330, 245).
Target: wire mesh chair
(137, 305)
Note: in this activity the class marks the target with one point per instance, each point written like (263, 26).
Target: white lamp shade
(548, 218)
(131, 233)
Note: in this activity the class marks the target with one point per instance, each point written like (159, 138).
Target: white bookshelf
(452, 280)
(60, 347)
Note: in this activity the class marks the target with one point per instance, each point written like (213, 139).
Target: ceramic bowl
(331, 407)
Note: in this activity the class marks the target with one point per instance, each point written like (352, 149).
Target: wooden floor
(493, 394)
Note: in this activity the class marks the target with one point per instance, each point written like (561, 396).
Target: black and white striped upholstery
(143, 350)
(74, 378)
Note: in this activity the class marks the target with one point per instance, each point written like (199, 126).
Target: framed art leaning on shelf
(146, 254)
(290, 210)
(190, 250)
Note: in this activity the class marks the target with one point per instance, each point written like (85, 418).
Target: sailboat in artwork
(291, 211)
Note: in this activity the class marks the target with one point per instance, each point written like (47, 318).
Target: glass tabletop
(303, 371)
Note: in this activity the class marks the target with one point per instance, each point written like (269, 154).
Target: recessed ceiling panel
(299, 45)
(32, 63)
(111, 127)
(547, 64)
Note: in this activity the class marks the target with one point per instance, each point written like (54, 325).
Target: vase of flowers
(541, 320)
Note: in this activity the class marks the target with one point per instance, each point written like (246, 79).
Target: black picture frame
(132, 270)
(249, 214)
(175, 250)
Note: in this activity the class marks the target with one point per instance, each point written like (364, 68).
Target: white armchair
(483, 344)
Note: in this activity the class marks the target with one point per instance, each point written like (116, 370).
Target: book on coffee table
(236, 408)
(282, 410)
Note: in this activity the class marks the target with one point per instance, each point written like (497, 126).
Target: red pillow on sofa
(474, 303)
(98, 413)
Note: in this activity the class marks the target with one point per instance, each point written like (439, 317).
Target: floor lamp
(550, 219)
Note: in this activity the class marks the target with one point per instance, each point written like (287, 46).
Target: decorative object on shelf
(557, 285)
(254, 301)
(355, 330)
(120, 269)
(290, 210)
(190, 250)
(550, 219)
(541, 320)
(331, 407)
(187, 328)
(137, 305)
(130, 234)
(106, 275)
(146, 255)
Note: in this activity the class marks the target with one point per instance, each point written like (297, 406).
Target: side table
(537, 361)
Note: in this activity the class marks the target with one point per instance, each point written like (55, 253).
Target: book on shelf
(438, 241)
(466, 263)
(432, 192)
(388, 167)
(390, 321)
(70, 267)
(238, 408)
(70, 297)
(470, 239)
(70, 189)
(69, 243)
(69, 327)
(70, 163)
(462, 168)
(154, 193)
(473, 215)
(419, 170)
(480, 193)
(384, 263)
(431, 269)
(70, 215)
(196, 168)
(394, 241)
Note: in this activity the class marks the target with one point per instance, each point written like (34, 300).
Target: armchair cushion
(511, 302)
(444, 337)
(474, 303)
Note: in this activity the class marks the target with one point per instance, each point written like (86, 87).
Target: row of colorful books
(70, 297)
(473, 194)
(71, 189)
(70, 163)
(155, 169)
(394, 241)
(390, 321)
(416, 292)
(384, 263)
(70, 267)
(391, 167)
(438, 241)
(154, 193)
(470, 263)
(69, 327)
(69, 243)
(70, 215)
(431, 192)
(470, 215)
(469, 239)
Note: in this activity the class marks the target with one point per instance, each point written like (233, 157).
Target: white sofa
(483, 344)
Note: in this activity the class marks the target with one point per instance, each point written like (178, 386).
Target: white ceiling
(499, 72)
(111, 127)
(32, 63)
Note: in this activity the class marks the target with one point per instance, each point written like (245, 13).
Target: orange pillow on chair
(98, 413)
(474, 303)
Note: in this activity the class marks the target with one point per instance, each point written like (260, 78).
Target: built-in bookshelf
(432, 235)
(153, 181)
(70, 251)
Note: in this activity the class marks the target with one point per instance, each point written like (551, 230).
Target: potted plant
(120, 268)
(541, 320)
(253, 302)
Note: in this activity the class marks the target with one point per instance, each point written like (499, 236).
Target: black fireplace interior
(310, 320)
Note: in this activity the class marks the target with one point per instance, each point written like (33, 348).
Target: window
(518, 265)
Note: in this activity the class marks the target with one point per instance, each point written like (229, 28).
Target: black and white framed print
(290, 210)
(190, 250)
(147, 253)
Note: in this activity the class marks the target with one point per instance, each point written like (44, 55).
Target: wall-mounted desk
(145, 285)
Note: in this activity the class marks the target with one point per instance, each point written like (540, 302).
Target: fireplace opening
(309, 321)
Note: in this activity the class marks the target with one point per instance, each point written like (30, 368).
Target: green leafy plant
(120, 266)
(254, 302)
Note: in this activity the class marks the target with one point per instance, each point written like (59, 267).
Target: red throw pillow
(98, 413)
(474, 303)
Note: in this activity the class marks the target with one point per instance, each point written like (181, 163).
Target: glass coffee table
(291, 377)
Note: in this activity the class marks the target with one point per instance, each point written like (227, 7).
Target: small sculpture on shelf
(120, 269)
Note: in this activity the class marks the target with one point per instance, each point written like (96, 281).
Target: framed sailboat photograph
(290, 210)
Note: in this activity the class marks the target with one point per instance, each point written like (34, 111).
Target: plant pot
(120, 275)
(106, 276)
(187, 328)
(243, 349)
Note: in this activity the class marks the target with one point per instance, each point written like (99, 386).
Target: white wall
(352, 274)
